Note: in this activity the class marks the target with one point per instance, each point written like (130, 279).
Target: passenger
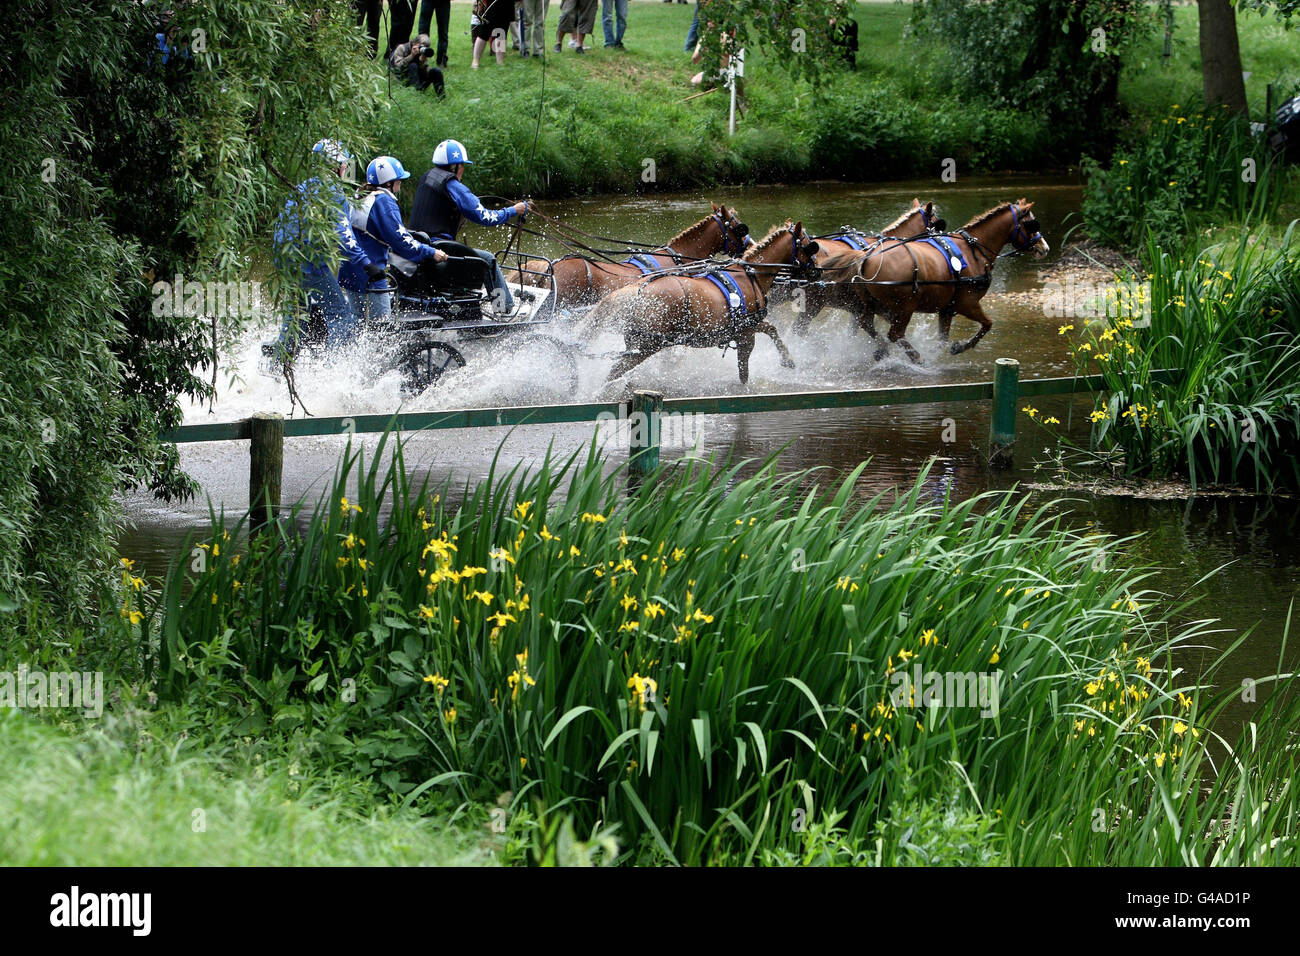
(319, 286)
(377, 222)
(442, 201)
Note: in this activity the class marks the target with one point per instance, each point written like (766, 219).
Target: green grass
(706, 663)
(134, 793)
(1150, 86)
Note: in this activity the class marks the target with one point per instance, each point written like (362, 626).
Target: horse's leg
(768, 329)
(945, 324)
(744, 346)
(629, 361)
(809, 303)
(896, 332)
(897, 325)
(975, 313)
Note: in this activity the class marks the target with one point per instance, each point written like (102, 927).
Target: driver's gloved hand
(375, 272)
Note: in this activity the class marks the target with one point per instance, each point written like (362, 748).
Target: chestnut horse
(916, 221)
(583, 281)
(900, 279)
(710, 308)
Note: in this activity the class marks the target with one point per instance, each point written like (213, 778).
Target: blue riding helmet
(384, 169)
(449, 153)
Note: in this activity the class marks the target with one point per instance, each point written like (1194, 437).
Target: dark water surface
(1244, 548)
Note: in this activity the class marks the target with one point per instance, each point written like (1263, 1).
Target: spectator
(401, 15)
(410, 61)
(693, 34)
(493, 25)
(443, 9)
(368, 14)
(614, 20)
(579, 18)
(534, 38)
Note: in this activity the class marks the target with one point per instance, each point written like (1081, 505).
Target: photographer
(413, 64)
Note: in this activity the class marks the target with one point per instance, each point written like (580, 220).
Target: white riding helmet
(449, 152)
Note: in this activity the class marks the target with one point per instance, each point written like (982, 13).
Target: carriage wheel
(425, 363)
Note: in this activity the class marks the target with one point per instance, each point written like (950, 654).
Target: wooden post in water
(643, 430)
(265, 461)
(1002, 424)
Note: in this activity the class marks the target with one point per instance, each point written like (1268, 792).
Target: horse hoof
(957, 348)
(787, 363)
(879, 354)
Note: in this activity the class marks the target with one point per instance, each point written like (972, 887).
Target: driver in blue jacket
(442, 202)
(319, 287)
(377, 222)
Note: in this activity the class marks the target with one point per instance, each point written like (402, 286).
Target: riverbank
(629, 121)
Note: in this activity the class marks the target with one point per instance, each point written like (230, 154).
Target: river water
(1240, 554)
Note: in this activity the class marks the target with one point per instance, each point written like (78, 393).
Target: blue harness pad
(727, 284)
(644, 263)
(850, 240)
(950, 252)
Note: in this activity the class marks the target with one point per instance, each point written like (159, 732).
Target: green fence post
(1002, 425)
(265, 465)
(643, 443)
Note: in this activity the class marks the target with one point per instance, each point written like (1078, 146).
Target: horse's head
(803, 250)
(930, 216)
(1025, 234)
(735, 234)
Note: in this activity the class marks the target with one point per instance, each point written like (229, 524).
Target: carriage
(440, 308)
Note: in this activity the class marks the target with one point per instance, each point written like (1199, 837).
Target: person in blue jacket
(442, 202)
(377, 222)
(317, 281)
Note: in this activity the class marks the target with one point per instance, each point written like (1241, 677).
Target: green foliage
(127, 172)
(1057, 60)
(1191, 167)
(1228, 315)
(552, 640)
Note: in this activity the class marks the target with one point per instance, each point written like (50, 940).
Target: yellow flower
(426, 612)
(1184, 701)
(483, 596)
(347, 507)
(622, 538)
(546, 535)
(1160, 759)
(678, 554)
(643, 689)
(1065, 328)
(928, 638)
(1030, 411)
(521, 509)
(594, 519)
(1053, 420)
(1099, 415)
(501, 619)
(438, 681)
(1092, 688)
(450, 715)
(628, 626)
(1180, 728)
(701, 616)
(653, 610)
(994, 659)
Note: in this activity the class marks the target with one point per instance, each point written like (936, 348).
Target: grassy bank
(608, 112)
(713, 671)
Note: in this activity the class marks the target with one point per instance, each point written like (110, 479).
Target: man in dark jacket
(442, 202)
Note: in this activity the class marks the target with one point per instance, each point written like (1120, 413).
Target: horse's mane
(987, 215)
(690, 231)
(904, 217)
(763, 243)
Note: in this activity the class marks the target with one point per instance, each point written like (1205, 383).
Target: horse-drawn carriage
(440, 307)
